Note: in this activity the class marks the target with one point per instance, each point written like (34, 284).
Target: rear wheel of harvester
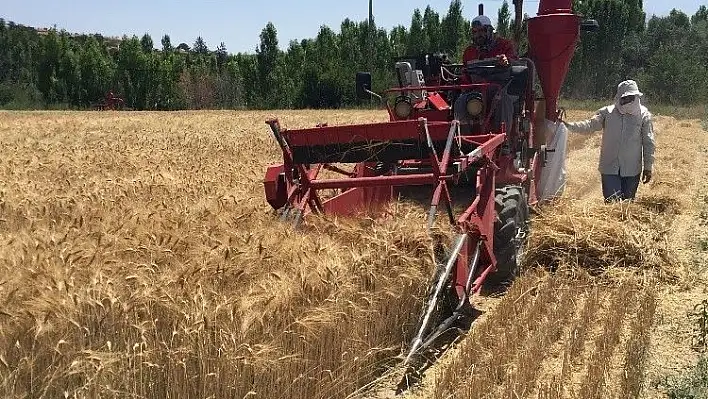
(510, 230)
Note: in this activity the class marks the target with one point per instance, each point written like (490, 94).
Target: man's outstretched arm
(588, 126)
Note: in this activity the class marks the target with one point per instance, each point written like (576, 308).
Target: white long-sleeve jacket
(627, 140)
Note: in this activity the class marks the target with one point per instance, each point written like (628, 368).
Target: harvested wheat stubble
(508, 354)
(604, 238)
(612, 362)
(557, 367)
(637, 347)
(500, 356)
(576, 249)
(595, 376)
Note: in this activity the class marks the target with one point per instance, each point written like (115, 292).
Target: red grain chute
(552, 36)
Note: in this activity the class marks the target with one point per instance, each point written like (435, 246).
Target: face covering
(633, 108)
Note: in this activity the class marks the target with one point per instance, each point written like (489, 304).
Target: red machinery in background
(474, 146)
(110, 102)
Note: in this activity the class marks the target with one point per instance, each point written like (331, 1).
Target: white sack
(553, 175)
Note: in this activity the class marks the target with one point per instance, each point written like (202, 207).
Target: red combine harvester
(110, 102)
(474, 146)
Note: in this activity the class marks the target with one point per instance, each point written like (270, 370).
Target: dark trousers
(618, 188)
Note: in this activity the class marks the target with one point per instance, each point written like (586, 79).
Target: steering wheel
(485, 63)
(487, 69)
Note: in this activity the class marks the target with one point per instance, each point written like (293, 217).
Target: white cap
(482, 20)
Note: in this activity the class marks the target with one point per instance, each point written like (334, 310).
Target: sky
(238, 23)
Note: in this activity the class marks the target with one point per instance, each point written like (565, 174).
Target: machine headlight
(474, 106)
(403, 108)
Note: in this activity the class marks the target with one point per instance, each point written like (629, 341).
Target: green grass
(690, 385)
(693, 383)
(703, 244)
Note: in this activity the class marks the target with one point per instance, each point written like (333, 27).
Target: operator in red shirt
(486, 44)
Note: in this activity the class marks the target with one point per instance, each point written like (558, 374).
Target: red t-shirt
(501, 47)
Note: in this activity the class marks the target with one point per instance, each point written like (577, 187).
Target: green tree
(454, 31)
(200, 46)
(295, 61)
(668, 56)
(383, 73)
(268, 57)
(504, 20)
(597, 64)
(132, 72)
(248, 68)
(399, 40)
(700, 15)
(169, 69)
(699, 37)
(324, 84)
(677, 71)
(229, 89)
(5, 55)
(96, 72)
(350, 53)
(676, 76)
(367, 43)
(432, 29)
(669, 30)
(166, 43)
(146, 43)
(222, 56)
(417, 40)
(48, 65)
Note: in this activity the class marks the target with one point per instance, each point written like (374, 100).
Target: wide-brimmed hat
(628, 88)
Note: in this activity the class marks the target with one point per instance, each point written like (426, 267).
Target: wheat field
(138, 258)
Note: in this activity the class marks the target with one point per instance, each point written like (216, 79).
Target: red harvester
(472, 143)
(110, 102)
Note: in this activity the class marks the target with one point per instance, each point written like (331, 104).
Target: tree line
(667, 55)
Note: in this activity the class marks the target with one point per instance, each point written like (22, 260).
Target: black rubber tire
(512, 214)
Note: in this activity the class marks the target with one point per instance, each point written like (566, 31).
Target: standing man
(627, 153)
